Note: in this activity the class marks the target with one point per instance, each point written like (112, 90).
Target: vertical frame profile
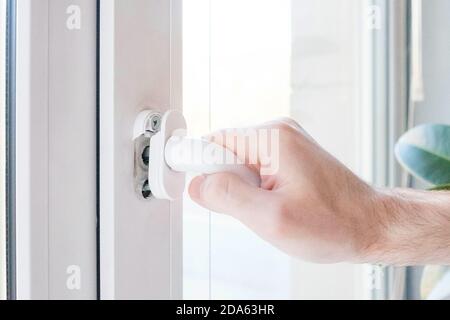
(55, 155)
(10, 145)
(386, 106)
(140, 68)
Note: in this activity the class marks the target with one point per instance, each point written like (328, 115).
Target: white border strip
(107, 87)
(32, 150)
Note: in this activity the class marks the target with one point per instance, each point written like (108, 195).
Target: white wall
(436, 63)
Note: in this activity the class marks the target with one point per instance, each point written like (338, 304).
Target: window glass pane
(250, 61)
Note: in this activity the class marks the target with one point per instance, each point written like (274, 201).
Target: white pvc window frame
(53, 211)
(140, 68)
(137, 250)
(385, 101)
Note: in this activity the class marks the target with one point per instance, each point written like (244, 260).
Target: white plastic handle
(199, 156)
(172, 154)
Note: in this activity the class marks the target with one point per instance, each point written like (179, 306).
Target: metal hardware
(155, 122)
(147, 124)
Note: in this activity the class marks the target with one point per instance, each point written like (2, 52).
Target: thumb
(226, 193)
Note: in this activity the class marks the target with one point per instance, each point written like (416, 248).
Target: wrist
(410, 227)
(374, 234)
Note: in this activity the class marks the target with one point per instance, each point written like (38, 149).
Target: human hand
(312, 207)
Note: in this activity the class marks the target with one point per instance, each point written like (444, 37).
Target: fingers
(261, 147)
(229, 194)
(243, 142)
(257, 146)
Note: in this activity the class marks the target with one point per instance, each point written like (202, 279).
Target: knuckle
(282, 126)
(287, 124)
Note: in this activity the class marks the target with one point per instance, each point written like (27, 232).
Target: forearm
(413, 228)
(316, 209)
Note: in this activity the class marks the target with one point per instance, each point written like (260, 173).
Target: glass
(247, 62)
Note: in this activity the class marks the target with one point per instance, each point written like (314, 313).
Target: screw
(155, 122)
(146, 192)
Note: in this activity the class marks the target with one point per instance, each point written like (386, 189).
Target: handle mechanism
(172, 154)
(200, 156)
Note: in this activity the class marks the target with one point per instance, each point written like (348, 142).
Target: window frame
(3, 277)
(386, 80)
(140, 240)
(54, 235)
(118, 263)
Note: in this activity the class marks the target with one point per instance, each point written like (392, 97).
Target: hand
(312, 207)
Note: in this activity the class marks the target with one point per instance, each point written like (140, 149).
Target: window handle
(172, 154)
(199, 156)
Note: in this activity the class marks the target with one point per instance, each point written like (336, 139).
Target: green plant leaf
(441, 188)
(425, 152)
